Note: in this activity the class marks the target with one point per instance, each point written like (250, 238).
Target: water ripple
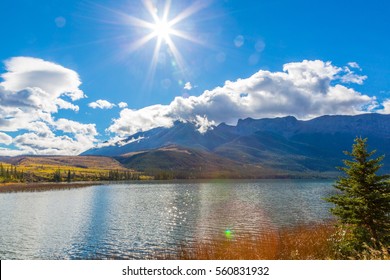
(141, 221)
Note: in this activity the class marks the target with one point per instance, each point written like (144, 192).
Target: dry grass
(305, 242)
(311, 242)
(373, 254)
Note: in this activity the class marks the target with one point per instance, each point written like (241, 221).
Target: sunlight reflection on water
(135, 221)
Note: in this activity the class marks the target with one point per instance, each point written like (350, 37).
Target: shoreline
(47, 186)
(44, 186)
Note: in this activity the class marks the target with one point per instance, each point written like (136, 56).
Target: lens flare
(228, 234)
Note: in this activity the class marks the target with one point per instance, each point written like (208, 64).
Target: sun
(163, 30)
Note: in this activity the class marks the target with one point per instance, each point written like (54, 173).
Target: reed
(306, 242)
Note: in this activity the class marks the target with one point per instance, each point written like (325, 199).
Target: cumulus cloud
(132, 121)
(122, 105)
(33, 87)
(31, 92)
(51, 144)
(101, 104)
(5, 139)
(303, 89)
(188, 86)
(386, 107)
(203, 124)
(70, 126)
(63, 137)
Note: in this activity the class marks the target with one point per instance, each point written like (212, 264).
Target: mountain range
(254, 148)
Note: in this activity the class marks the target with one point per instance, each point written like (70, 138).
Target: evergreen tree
(2, 171)
(57, 176)
(7, 174)
(69, 177)
(362, 204)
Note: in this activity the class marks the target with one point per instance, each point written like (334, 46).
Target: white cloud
(122, 105)
(351, 77)
(41, 128)
(101, 104)
(32, 91)
(119, 141)
(304, 89)
(43, 138)
(5, 139)
(188, 86)
(10, 153)
(354, 65)
(203, 124)
(70, 126)
(33, 143)
(29, 72)
(32, 88)
(132, 121)
(386, 107)
(62, 104)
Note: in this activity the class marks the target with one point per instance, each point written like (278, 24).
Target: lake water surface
(137, 220)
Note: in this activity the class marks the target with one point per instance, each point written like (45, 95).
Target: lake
(137, 220)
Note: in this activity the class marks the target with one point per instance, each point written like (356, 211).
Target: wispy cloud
(349, 76)
(354, 65)
(303, 89)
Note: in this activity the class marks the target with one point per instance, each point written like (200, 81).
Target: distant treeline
(189, 175)
(10, 174)
(112, 175)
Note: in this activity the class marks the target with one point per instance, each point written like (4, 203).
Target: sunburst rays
(163, 30)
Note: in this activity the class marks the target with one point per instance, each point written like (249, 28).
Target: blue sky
(74, 73)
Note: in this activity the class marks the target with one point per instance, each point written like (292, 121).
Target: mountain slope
(277, 145)
(178, 162)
